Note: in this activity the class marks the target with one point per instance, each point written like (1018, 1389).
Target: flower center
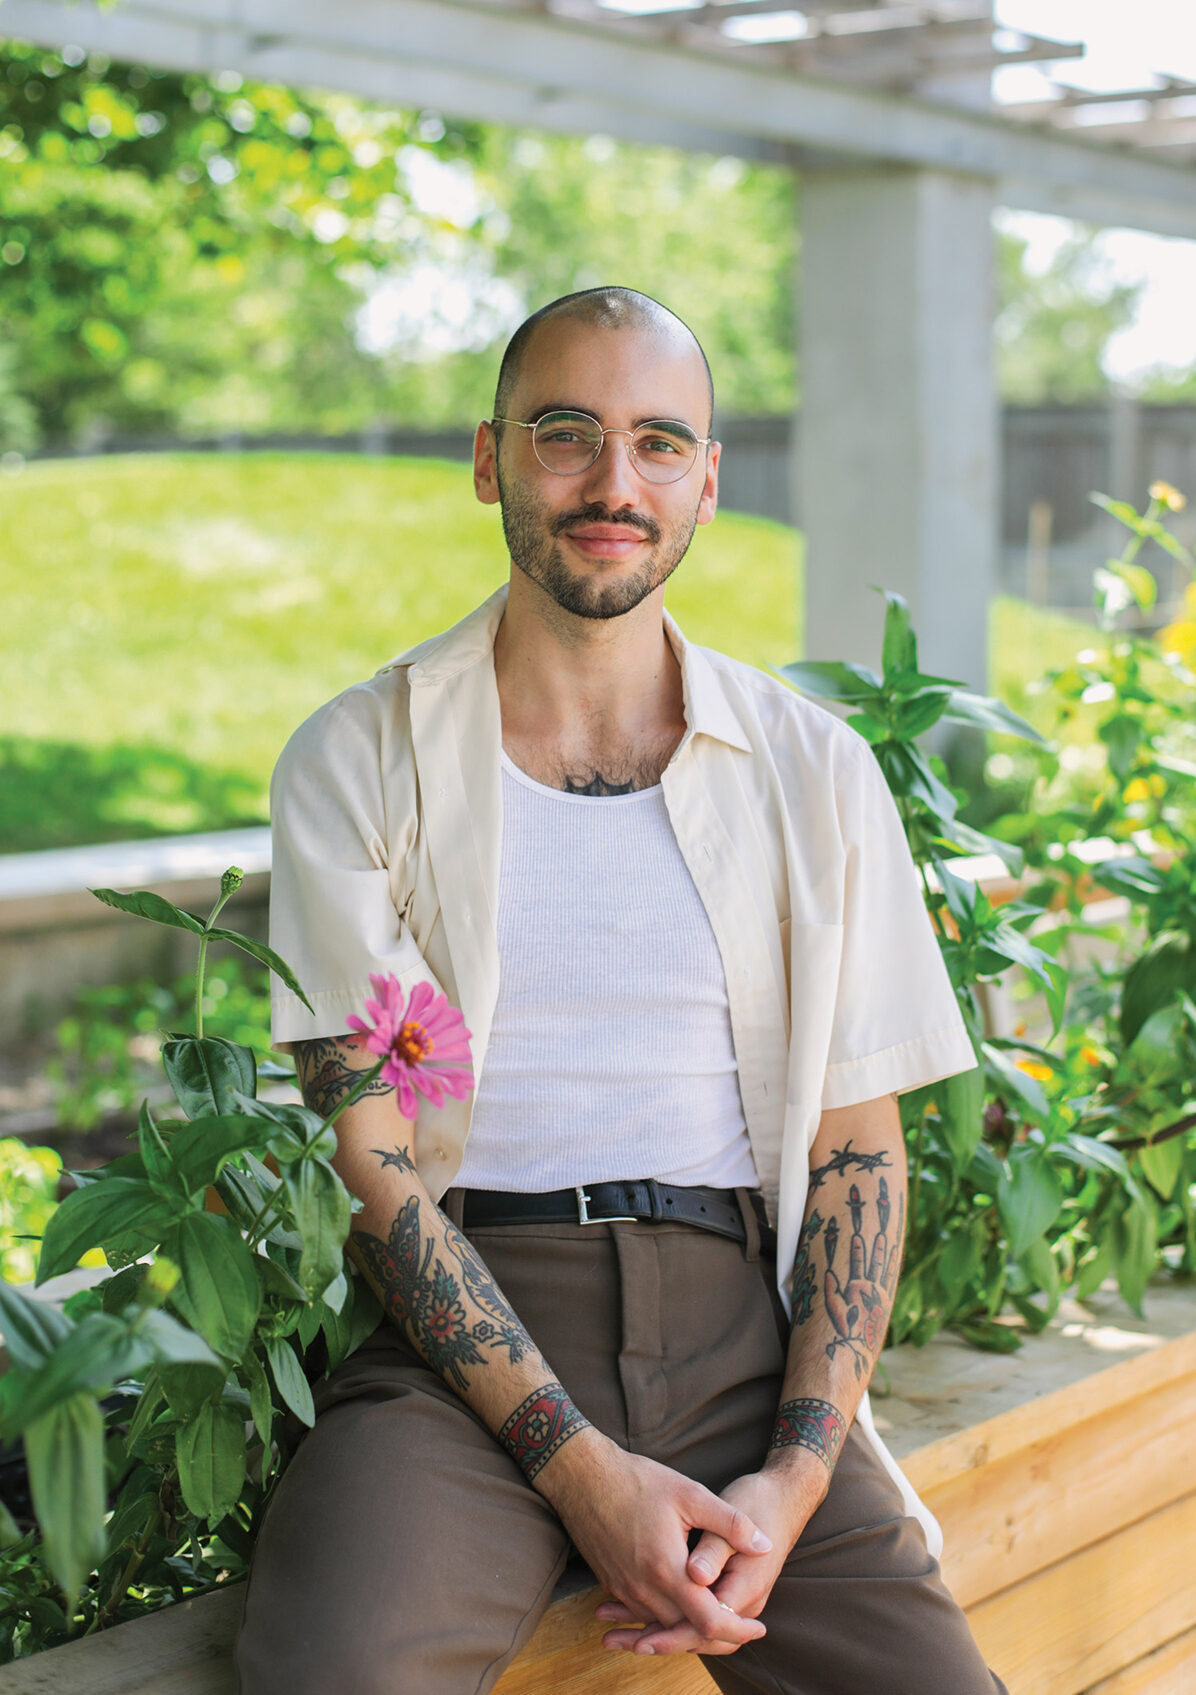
(412, 1044)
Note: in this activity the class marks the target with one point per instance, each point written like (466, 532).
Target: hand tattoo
(858, 1305)
(816, 1425)
(539, 1426)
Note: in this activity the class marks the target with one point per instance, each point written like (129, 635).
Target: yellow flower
(1036, 1069)
(1091, 1055)
(1167, 496)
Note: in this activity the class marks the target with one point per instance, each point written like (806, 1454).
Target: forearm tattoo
(539, 1427)
(329, 1066)
(816, 1425)
(425, 1294)
(859, 1301)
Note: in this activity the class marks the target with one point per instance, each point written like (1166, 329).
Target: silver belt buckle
(583, 1216)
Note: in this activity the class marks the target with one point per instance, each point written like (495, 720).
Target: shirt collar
(708, 708)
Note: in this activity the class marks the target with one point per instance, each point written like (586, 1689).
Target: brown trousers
(404, 1554)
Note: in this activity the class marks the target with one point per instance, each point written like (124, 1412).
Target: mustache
(595, 514)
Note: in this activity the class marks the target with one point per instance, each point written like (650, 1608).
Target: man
(675, 905)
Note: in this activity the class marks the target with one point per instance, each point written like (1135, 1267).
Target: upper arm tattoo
(329, 1066)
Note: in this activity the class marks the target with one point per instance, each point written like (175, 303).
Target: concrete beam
(507, 64)
(900, 446)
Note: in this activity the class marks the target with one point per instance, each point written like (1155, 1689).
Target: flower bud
(232, 880)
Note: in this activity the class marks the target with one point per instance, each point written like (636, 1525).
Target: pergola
(883, 108)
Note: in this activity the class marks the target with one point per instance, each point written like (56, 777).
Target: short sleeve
(333, 913)
(896, 1023)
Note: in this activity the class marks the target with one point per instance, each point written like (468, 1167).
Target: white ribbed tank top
(610, 1053)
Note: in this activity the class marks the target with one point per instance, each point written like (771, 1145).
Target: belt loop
(452, 1205)
(751, 1224)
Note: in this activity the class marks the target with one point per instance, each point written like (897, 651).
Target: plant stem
(355, 1093)
(120, 1588)
(201, 964)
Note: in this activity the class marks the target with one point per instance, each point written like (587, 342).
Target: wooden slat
(1010, 1517)
(1170, 1670)
(1092, 1615)
(566, 1654)
(183, 1650)
(957, 1384)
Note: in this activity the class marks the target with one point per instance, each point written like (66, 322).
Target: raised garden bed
(1060, 1475)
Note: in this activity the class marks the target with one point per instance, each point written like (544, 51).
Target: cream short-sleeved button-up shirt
(386, 809)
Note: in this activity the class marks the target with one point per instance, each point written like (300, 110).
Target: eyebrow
(571, 406)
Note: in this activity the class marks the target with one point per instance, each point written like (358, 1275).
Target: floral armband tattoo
(816, 1425)
(539, 1427)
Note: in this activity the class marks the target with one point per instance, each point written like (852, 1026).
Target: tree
(1053, 326)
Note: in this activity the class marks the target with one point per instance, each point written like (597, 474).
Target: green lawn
(169, 619)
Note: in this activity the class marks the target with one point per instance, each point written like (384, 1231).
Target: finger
(708, 1558)
(678, 1639)
(614, 1612)
(707, 1512)
(716, 1621)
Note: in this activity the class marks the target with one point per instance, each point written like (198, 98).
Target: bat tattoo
(539, 1426)
(424, 1293)
(325, 1075)
(816, 1425)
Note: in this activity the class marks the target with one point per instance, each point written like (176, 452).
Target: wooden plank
(949, 1392)
(1007, 1518)
(183, 1650)
(566, 1655)
(1170, 1670)
(1100, 1611)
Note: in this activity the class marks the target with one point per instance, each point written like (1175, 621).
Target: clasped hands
(631, 1520)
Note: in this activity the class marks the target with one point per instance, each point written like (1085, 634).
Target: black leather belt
(614, 1203)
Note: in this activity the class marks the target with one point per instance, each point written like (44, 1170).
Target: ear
(708, 504)
(485, 464)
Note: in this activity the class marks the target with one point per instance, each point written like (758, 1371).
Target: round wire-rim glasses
(567, 443)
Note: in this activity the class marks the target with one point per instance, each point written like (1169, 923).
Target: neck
(556, 671)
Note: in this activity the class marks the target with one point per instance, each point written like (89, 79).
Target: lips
(607, 541)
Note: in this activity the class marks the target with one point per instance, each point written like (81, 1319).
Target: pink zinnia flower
(425, 1044)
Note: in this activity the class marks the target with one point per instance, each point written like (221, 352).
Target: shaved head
(598, 308)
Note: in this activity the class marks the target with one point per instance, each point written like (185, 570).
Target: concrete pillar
(898, 470)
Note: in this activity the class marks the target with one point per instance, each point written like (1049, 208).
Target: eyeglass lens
(569, 442)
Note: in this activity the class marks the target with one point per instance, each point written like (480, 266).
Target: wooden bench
(1062, 1477)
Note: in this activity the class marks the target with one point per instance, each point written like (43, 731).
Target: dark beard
(529, 535)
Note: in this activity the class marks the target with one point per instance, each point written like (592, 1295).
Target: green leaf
(218, 1293)
(1121, 734)
(207, 1073)
(833, 680)
(320, 1205)
(1120, 509)
(899, 650)
(1135, 1250)
(1161, 1164)
(199, 1150)
(1154, 980)
(960, 1260)
(264, 956)
(1013, 1080)
(915, 717)
(289, 1379)
(1134, 877)
(143, 903)
(993, 1338)
(305, 1127)
(1029, 1196)
(97, 1354)
(261, 1403)
(172, 1343)
(964, 839)
(107, 1209)
(31, 1329)
(211, 1458)
(190, 1386)
(988, 714)
(1093, 1270)
(277, 1280)
(961, 1107)
(1091, 1154)
(155, 1158)
(1156, 1048)
(358, 1318)
(65, 1454)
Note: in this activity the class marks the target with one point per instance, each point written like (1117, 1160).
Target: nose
(612, 478)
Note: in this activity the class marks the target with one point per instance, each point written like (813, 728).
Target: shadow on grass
(64, 794)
